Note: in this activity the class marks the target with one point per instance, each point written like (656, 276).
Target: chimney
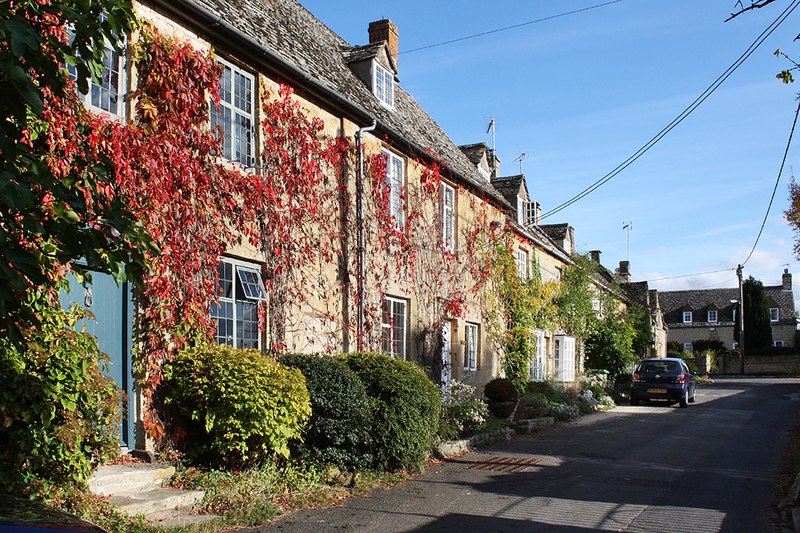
(624, 271)
(595, 255)
(787, 280)
(385, 30)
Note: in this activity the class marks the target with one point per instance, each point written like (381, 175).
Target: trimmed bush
(59, 415)
(338, 430)
(500, 390)
(405, 409)
(230, 408)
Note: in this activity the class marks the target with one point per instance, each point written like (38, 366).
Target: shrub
(338, 430)
(229, 407)
(405, 409)
(564, 412)
(500, 390)
(462, 413)
(59, 414)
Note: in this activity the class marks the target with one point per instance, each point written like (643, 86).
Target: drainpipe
(360, 247)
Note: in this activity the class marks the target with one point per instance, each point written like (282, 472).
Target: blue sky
(581, 93)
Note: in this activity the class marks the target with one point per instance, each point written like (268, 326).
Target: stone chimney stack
(385, 30)
(624, 271)
(595, 255)
(787, 280)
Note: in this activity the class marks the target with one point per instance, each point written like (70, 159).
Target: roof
(475, 152)
(284, 31)
(557, 232)
(510, 186)
(700, 301)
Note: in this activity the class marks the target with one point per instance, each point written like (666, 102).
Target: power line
(683, 114)
(506, 28)
(693, 275)
(774, 189)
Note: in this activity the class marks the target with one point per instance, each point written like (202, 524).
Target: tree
(639, 318)
(574, 301)
(609, 347)
(757, 324)
(58, 200)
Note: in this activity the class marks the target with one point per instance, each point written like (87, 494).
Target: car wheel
(691, 400)
(684, 402)
(634, 401)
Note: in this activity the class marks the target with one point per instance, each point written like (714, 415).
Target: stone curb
(451, 448)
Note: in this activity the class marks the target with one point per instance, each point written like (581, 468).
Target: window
(448, 216)
(734, 345)
(240, 290)
(777, 344)
(538, 361)
(774, 314)
(106, 94)
(712, 316)
(393, 324)
(235, 114)
(687, 347)
(395, 179)
(522, 264)
(564, 358)
(471, 347)
(687, 317)
(383, 85)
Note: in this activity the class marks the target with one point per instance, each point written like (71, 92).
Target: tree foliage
(757, 324)
(609, 347)
(574, 301)
(58, 198)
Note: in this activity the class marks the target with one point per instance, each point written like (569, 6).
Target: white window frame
(471, 346)
(447, 211)
(236, 114)
(395, 180)
(383, 85)
(774, 314)
(101, 98)
(564, 358)
(394, 329)
(777, 344)
(713, 316)
(688, 347)
(233, 311)
(687, 317)
(522, 264)
(536, 369)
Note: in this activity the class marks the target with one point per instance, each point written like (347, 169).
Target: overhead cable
(506, 28)
(683, 114)
(774, 189)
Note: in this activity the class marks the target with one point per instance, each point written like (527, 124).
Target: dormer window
(383, 85)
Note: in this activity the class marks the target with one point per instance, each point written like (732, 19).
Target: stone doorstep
(156, 500)
(128, 478)
(534, 424)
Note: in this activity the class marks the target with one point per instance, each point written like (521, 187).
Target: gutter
(361, 249)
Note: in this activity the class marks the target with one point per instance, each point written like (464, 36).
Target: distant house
(710, 314)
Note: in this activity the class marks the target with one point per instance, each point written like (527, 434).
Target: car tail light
(681, 378)
(637, 377)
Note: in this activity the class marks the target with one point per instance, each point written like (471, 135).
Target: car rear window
(659, 367)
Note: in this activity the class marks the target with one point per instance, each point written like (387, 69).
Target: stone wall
(760, 364)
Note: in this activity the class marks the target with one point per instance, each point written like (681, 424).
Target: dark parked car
(22, 516)
(663, 379)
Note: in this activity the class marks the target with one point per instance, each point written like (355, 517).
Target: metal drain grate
(507, 464)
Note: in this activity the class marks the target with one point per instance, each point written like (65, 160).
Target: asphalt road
(711, 467)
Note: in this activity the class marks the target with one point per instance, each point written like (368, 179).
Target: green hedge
(341, 416)
(59, 415)
(405, 407)
(229, 407)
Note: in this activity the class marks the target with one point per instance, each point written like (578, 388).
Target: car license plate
(657, 391)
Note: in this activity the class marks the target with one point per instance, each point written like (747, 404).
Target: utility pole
(739, 270)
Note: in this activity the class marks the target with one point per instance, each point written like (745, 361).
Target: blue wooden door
(112, 306)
